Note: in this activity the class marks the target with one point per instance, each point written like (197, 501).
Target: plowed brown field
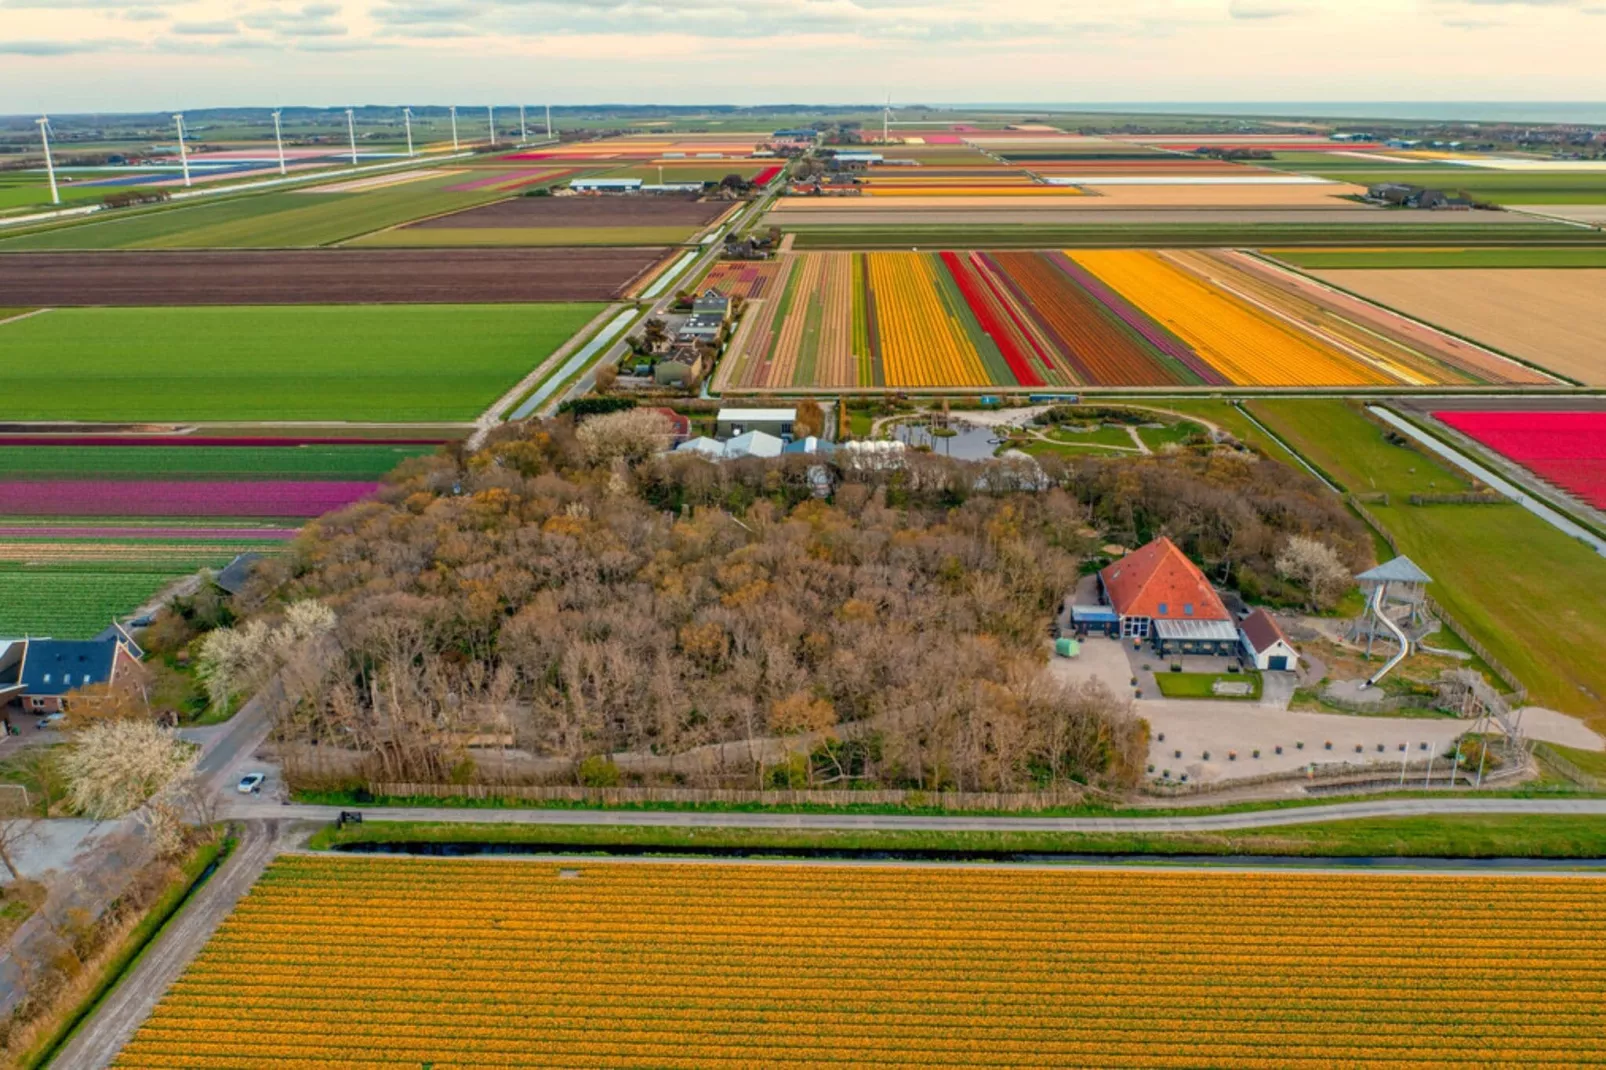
(321, 276)
(1551, 317)
(628, 211)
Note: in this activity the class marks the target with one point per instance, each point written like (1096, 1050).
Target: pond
(968, 442)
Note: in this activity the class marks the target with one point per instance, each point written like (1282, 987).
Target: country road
(1253, 819)
(136, 995)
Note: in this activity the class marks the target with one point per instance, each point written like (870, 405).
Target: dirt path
(136, 995)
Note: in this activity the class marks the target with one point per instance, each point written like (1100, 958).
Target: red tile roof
(1262, 630)
(1158, 581)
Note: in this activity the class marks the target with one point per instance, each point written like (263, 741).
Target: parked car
(51, 720)
(251, 784)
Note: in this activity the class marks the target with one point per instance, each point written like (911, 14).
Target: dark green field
(357, 462)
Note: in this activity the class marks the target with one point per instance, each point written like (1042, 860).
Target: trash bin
(1066, 647)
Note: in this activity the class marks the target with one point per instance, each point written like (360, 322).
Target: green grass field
(1500, 187)
(1532, 257)
(264, 220)
(1530, 594)
(357, 462)
(459, 237)
(73, 603)
(356, 362)
(1482, 836)
(31, 190)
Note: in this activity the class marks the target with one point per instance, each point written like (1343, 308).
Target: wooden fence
(914, 800)
(1566, 767)
(1519, 693)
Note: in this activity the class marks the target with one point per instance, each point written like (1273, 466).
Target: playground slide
(1405, 644)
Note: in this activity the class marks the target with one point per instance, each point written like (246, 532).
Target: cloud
(218, 28)
(1257, 10)
(89, 5)
(1472, 24)
(59, 48)
(143, 14)
(312, 20)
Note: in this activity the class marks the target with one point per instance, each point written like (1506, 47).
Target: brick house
(37, 675)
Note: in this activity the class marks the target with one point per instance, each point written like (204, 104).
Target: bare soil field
(322, 276)
(1096, 211)
(1226, 196)
(554, 212)
(1550, 316)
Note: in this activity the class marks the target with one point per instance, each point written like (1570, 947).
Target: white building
(1265, 644)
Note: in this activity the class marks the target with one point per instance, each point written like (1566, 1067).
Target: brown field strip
(1551, 317)
(322, 276)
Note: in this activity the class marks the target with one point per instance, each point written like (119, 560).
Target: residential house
(1159, 595)
(1265, 643)
(712, 303)
(679, 424)
(701, 327)
(37, 675)
(682, 367)
(732, 422)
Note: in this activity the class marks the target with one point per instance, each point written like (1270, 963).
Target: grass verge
(110, 969)
(1492, 836)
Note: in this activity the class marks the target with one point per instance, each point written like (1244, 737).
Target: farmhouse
(38, 674)
(732, 423)
(682, 367)
(606, 185)
(1158, 594)
(1265, 644)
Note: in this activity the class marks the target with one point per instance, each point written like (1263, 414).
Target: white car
(251, 784)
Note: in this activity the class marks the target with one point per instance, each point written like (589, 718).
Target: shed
(754, 444)
(732, 422)
(606, 185)
(1213, 637)
(1095, 620)
(1266, 644)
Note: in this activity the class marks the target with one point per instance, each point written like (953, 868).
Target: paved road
(132, 1001)
(713, 819)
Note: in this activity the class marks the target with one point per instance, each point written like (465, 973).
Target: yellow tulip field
(374, 963)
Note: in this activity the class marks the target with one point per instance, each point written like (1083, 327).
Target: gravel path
(132, 1001)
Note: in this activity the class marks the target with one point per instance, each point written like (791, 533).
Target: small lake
(968, 443)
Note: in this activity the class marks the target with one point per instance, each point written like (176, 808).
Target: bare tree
(15, 833)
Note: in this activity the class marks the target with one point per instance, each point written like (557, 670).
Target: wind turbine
(454, 128)
(490, 121)
(407, 118)
(549, 122)
(351, 134)
(183, 153)
(524, 134)
(50, 167)
(886, 122)
(278, 138)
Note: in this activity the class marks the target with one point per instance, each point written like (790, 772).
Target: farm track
(136, 995)
(322, 276)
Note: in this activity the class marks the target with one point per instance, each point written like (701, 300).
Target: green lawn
(1483, 836)
(1218, 411)
(348, 362)
(1336, 437)
(1202, 684)
(31, 191)
(276, 219)
(1097, 436)
(1530, 594)
(202, 462)
(1534, 257)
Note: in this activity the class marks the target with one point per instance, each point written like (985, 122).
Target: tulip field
(92, 526)
(374, 964)
(1564, 448)
(1100, 318)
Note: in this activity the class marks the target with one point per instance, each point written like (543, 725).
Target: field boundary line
(25, 315)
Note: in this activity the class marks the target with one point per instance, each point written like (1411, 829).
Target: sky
(135, 55)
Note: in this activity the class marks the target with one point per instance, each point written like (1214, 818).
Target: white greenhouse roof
(781, 415)
(1205, 630)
